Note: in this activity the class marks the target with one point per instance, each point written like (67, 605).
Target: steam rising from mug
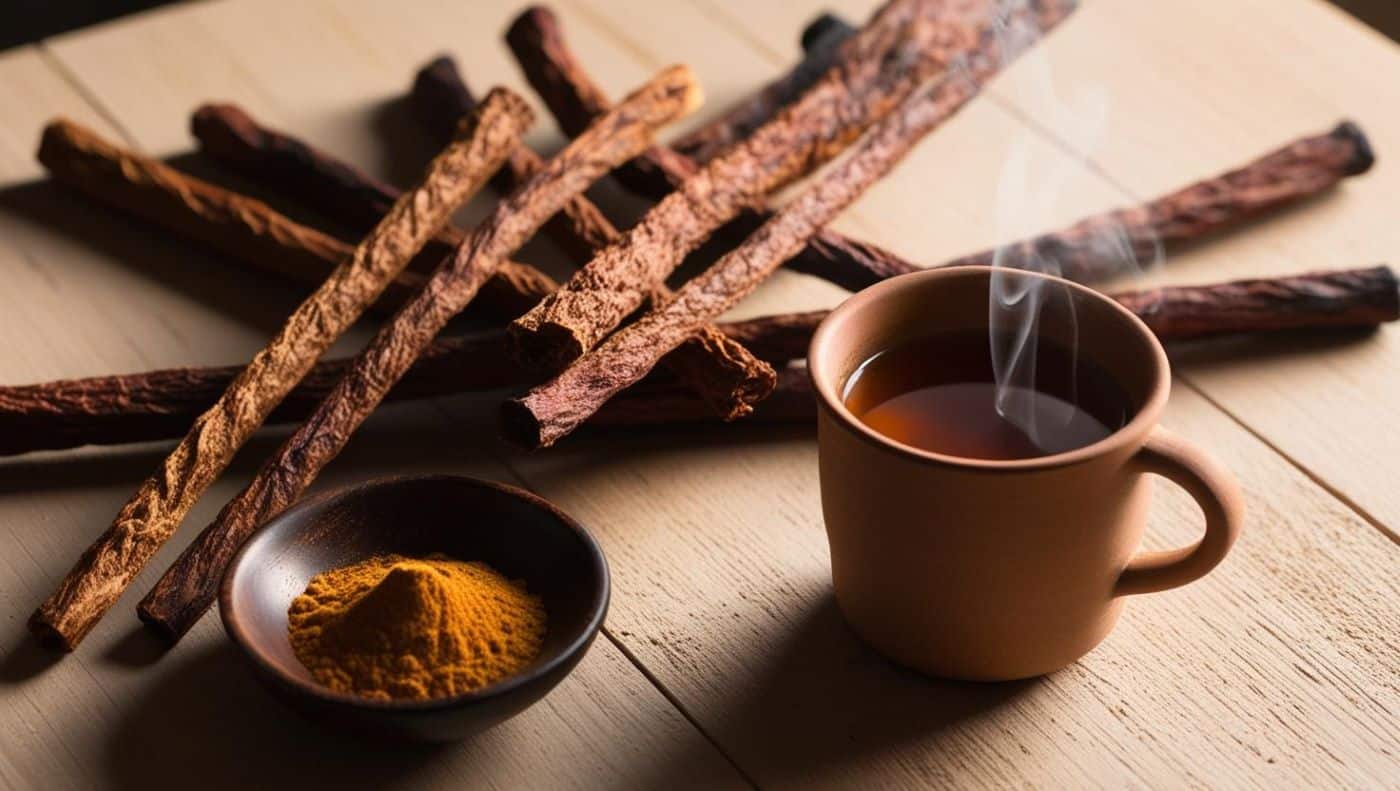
(1032, 183)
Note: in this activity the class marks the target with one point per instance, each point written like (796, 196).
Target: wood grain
(1277, 671)
(149, 301)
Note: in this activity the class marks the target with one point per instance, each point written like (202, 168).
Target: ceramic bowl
(517, 533)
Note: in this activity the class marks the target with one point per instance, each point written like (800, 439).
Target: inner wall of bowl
(912, 307)
(417, 518)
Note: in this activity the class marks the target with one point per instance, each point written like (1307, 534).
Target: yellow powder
(396, 628)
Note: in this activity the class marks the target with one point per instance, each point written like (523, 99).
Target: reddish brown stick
(821, 41)
(1092, 249)
(552, 410)
(345, 194)
(154, 512)
(536, 30)
(665, 403)
(1082, 253)
(906, 43)
(574, 100)
(187, 589)
(110, 410)
(723, 373)
(235, 225)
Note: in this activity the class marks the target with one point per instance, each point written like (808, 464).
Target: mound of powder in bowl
(398, 628)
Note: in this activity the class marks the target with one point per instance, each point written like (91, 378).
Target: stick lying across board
(905, 44)
(155, 511)
(157, 405)
(1089, 251)
(187, 589)
(552, 410)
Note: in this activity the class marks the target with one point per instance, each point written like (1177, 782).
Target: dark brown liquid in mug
(939, 394)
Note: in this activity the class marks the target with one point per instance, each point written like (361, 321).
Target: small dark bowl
(518, 534)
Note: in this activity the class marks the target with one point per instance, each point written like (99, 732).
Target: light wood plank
(1277, 671)
(31, 92)
(111, 295)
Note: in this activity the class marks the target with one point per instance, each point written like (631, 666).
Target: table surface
(724, 661)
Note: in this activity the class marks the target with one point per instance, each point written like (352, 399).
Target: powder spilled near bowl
(399, 628)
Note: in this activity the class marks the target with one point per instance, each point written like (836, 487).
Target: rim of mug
(1134, 431)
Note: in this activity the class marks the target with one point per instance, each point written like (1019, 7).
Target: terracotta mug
(995, 570)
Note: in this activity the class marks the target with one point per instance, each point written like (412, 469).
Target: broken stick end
(58, 136)
(546, 346)
(169, 627)
(519, 424)
(825, 28)
(1363, 156)
(49, 635)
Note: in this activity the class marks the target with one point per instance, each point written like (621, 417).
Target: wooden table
(724, 661)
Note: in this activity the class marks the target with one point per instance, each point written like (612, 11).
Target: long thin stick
(233, 224)
(1093, 249)
(186, 590)
(724, 373)
(155, 511)
(904, 43)
(552, 410)
(346, 194)
(110, 410)
(821, 42)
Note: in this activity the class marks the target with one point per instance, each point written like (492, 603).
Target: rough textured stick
(186, 590)
(573, 99)
(661, 403)
(155, 511)
(1294, 172)
(440, 97)
(1092, 249)
(536, 30)
(906, 43)
(1344, 298)
(235, 225)
(723, 373)
(345, 194)
(820, 41)
(155, 405)
(109, 410)
(552, 410)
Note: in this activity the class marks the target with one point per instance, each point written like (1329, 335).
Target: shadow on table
(825, 702)
(210, 723)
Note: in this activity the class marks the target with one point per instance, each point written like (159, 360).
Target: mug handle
(1213, 488)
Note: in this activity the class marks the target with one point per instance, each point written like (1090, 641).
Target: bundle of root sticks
(613, 344)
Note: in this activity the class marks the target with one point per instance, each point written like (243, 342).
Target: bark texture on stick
(821, 41)
(1097, 247)
(345, 194)
(187, 589)
(235, 225)
(537, 30)
(110, 410)
(723, 373)
(552, 410)
(905, 44)
(1318, 300)
(573, 99)
(155, 511)
(1090, 251)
